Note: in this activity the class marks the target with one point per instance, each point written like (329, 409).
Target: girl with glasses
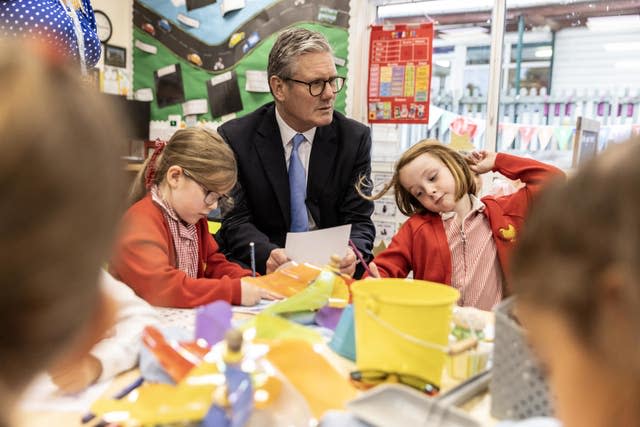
(165, 252)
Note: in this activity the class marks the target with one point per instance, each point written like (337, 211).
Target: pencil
(360, 258)
(252, 247)
(119, 395)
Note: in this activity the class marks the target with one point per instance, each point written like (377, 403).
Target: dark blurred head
(62, 189)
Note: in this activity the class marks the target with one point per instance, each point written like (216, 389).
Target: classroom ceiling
(553, 16)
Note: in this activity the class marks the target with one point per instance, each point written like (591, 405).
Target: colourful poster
(400, 73)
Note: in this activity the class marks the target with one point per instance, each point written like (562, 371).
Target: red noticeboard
(400, 73)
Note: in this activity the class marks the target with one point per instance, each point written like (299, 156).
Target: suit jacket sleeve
(239, 230)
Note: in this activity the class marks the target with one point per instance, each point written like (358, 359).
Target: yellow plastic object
(214, 226)
(269, 327)
(311, 374)
(189, 400)
(402, 326)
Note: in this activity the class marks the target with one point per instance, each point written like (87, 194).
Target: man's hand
(348, 263)
(277, 257)
(74, 376)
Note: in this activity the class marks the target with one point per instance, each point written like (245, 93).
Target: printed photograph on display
(115, 56)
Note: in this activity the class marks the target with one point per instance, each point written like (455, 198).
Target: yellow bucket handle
(450, 350)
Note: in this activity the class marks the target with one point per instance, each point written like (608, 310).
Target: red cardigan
(145, 259)
(421, 243)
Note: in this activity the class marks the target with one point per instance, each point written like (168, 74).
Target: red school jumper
(145, 259)
(421, 243)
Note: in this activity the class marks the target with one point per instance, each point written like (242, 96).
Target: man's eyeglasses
(316, 87)
(369, 378)
(210, 197)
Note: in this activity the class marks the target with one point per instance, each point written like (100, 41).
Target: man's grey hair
(291, 44)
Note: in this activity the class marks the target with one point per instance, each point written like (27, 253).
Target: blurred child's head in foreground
(61, 183)
(577, 275)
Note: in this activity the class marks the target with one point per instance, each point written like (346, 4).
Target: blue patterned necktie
(298, 188)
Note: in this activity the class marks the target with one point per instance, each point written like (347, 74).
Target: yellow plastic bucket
(402, 326)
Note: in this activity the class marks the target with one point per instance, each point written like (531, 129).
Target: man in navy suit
(331, 152)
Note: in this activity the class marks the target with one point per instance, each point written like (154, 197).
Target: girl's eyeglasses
(369, 378)
(210, 197)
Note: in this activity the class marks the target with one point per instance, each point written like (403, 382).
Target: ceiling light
(443, 7)
(543, 52)
(621, 46)
(462, 33)
(628, 65)
(614, 23)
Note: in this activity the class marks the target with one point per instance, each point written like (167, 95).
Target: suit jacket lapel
(321, 165)
(268, 143)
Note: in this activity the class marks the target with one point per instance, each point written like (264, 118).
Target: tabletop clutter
(406, 337)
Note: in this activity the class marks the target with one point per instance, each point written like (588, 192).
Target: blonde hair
(62, 191)
(408, 205)
(202, 152)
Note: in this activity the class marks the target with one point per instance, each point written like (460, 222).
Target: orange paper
(312, 375)
(287, 281)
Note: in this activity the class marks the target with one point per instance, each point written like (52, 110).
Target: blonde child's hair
(202, 152)
(62, 191)
(409, 205)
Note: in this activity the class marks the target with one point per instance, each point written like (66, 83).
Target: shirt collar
(476, 206)
(156, 197)
(287, 133)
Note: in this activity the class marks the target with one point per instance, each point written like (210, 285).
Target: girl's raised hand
(481, 161)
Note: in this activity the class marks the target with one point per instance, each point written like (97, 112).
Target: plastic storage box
(518, 389)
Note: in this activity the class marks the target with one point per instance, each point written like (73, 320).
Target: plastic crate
(518, 389)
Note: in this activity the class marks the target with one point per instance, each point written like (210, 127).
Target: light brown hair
(62, 188)
(408, 205)
(202, 152)
(580, 237)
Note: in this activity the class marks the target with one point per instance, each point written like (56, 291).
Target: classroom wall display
(207, 44)
(400, 73)
(168, 84)
(224, 94)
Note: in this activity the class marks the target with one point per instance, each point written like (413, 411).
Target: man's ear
(100, 323)
(277, 88)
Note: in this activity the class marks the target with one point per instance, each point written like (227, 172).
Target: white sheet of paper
(195, 106)
(146, 47)
(188, 21)
(144, 94)
(43, 395)
(317, 246)
(229, 5)
(256, 81)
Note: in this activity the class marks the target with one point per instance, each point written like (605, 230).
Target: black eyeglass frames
(369, 378)
(316, 87)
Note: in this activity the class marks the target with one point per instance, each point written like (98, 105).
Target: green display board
(195, 78)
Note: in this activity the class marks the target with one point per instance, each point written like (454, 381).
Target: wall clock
(104, 27)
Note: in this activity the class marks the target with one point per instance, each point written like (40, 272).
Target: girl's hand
(374, 270)
(481, 161)
(251, 295)
(77, 375)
